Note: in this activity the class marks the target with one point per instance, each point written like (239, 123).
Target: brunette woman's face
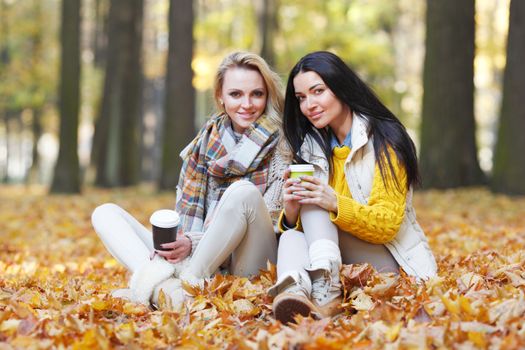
(317, 102)
(244, 97)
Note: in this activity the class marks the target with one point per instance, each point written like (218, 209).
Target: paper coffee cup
(165, 223)
(298, 170)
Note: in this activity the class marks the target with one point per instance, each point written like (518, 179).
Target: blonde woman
(228, 197)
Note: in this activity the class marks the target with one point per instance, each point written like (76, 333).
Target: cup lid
(165, 218)
(302, 167)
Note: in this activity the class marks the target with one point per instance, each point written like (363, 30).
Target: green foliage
(359, 31)
(28, 76)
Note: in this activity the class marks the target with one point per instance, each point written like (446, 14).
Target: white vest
(410, 246)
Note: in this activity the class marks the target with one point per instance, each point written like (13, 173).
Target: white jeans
(293, 245)
(241, 230)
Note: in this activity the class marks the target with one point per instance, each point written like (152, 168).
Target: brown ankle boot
(293, 298)
(326, 290)
(288, 304)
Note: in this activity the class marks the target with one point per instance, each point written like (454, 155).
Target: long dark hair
(383, 125)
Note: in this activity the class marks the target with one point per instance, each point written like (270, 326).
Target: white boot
(293, 297)
(191, 279)
(174, 293)
(147, 277)
(124, 293)
(325, 263)
(181, 266)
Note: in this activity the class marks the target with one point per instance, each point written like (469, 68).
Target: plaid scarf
(214, 156)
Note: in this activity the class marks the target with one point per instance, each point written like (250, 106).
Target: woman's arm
(379, 220)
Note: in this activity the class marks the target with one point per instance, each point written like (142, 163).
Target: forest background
(123, 77)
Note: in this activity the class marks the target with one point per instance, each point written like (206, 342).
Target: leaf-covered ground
(55, 279)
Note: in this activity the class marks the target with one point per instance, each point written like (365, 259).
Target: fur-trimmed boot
(292, 297)
(144, 280)
(325, 263)
(175, 294)
(181, 266)
(188, 277)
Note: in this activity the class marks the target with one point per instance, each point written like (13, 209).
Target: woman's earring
(222, 102)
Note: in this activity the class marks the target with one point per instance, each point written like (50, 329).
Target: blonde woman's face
(244, 97)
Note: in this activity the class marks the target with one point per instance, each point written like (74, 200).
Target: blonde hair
(251, 61)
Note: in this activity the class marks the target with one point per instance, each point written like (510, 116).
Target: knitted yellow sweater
(378, 221)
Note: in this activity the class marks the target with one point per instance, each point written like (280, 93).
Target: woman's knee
(313, 209)
(243, 188)
(102, 212)
(291, 237)
(242, 191)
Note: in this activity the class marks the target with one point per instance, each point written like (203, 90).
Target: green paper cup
(298, 170)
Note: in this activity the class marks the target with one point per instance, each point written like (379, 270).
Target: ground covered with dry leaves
(55, 280)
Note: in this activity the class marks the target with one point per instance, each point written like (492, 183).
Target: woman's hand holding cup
(177, 250)
(292, 189)
(290, 199)
(317, 193)
(165, 223)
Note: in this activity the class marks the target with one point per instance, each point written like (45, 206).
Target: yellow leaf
(36, 300)
(23, 310)
(478, 339)
(207, 314)
(9, 325)
(125, 332)
(232, 290)
(450, 305)
(245, 307)
(387, 284)
(363, 302)
(393, 332)
(220, 304)
(134, 309)
(91, 340)
(99, 305)
(515, 279)
(465, 306)
(471, 280)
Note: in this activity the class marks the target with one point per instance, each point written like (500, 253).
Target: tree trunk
(509, 158)
(117, 152)
(4, 61)
(179, 124)
(66, 178)
(36, 124)
(448, 147)
(37, 133)
(8, 153)
(267, 18)
(4, 32)
(99, 44)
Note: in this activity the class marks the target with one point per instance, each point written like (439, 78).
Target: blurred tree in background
(127, 105)
(116, 147)
(448, 145)
(267, 11)
(100, 33)
(179, 109)
(509, 159)
(28, 80)
(67, 171)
